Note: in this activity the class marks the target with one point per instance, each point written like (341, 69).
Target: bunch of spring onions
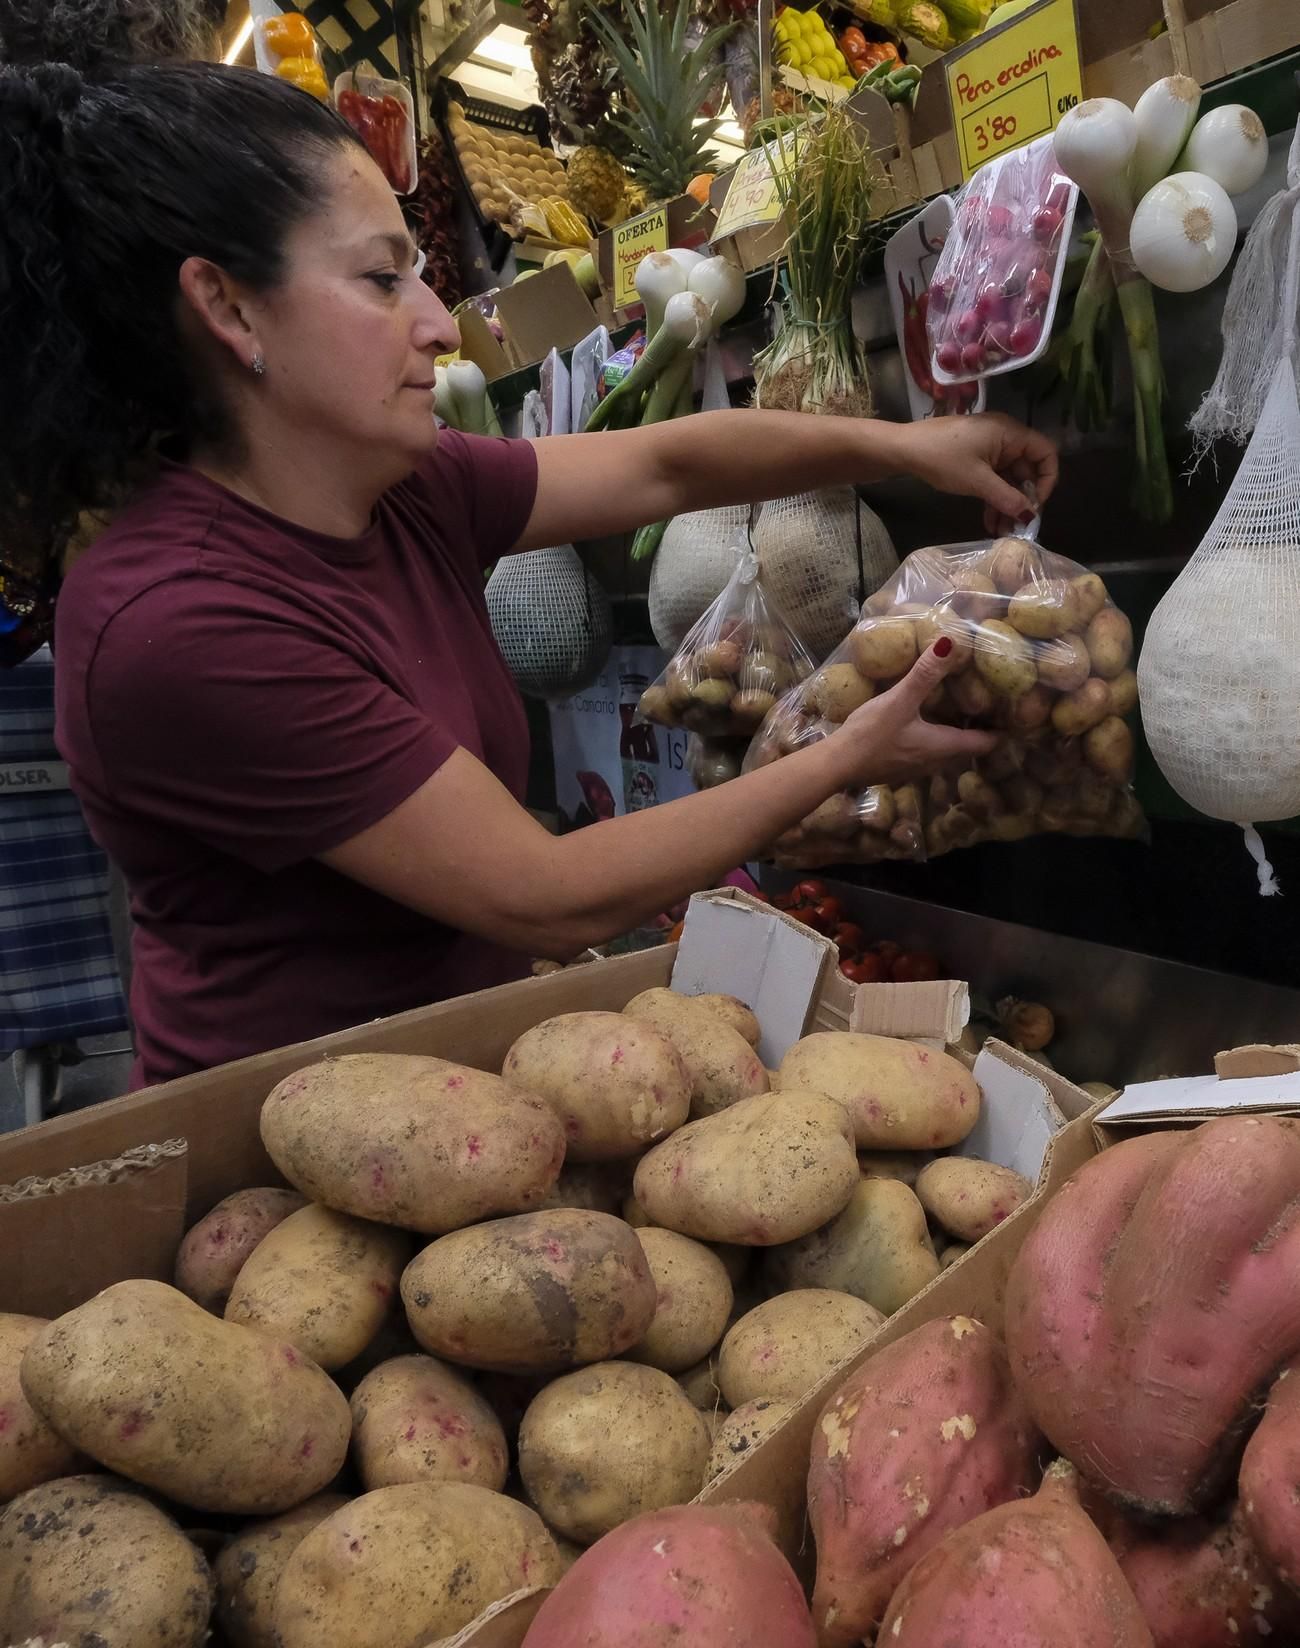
(823, 172)
(1159, 183)
(687, 297)
(461, 398)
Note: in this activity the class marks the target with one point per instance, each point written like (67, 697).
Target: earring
(259, 366)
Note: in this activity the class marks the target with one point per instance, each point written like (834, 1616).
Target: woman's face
(350, 334)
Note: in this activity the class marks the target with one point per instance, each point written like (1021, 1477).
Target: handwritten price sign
(752, 197)
(1012, 86)
(634, 240)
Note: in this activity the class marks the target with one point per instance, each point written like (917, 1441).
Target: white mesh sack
(694, 562)
(551, 619)
(823, 554)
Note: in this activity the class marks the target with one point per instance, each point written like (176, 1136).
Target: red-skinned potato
(925, 1435)
(1270, 1473)
(1030, 1571)
(698, 1574)
(214, 1250)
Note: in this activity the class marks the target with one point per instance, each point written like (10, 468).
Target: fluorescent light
(241, 40)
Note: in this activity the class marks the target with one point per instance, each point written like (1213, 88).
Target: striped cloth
(58, 976)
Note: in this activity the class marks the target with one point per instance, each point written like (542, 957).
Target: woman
(278, 693)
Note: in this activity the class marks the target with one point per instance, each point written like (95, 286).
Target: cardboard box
(547, 311)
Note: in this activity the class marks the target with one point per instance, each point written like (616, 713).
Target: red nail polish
(943, 646)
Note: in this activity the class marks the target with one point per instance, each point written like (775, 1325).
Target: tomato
(887, 950)
(915, 967)
(849, 937)
(808, 892)
(866, 969)
(828, 913)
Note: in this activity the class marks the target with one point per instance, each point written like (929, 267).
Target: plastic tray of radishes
(996, 285)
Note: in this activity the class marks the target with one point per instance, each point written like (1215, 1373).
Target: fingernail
(943, 646)
(1026, 517)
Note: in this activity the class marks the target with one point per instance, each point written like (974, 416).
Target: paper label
(634, 240)
(1014, 85)
(751, 198)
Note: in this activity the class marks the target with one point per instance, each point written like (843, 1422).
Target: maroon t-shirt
(236, 695)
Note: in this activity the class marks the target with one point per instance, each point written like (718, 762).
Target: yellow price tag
(634, 240)
(751, 197)
(1013, 86)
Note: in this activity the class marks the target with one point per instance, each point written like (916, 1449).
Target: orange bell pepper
(290, 35)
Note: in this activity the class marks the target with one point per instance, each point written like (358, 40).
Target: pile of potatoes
(728, 673)
(494, 1318)
(1045, 659)
(500, 164)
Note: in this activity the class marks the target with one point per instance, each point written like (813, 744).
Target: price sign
(1012, 86)
(634, 240)
(752, 197)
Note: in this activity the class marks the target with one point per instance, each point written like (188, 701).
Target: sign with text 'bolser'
(1013, 85)
(634, 240)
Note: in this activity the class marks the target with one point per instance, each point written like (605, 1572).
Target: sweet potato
(214, 1250)
(414, 1420)
(878, 1249)
(533, 1294)
(722, 1065)
(927, 1434)
(249, 1566)
(899, 1096)
(412, 1141)
(969, 1197)
(695, 1574)
(30, 1451)
(1269, 1480)
(1029, 1571)
(606, 1443)
(786, 1345)
(1154, 1299)
(764, 1171)
(616, 1087)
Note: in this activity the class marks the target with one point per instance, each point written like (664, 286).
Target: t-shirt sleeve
(496, 480)
(224, 717)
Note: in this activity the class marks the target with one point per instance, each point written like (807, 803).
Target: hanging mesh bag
(733, 664)
(822, 554)
(551, 619)
(1220, 667)
(695, 560)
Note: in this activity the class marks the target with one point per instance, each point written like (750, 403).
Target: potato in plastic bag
(733, 666)
(714, 761)
(1046, 660)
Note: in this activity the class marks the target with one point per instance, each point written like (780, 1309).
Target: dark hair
(90, 33)
(107, 185)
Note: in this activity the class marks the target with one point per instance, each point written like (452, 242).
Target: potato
(1063, 664)
(954, 1251)
(1043, 611)
(971, 694)
(655, 705)
(902, 1165)
(401, 1566)
(1033, 709)
(883, 648)
(742, 1431)
(937, 621)
(1108, 750)
(215, 1415)
(1004, 659)
(837, 690)
(975, 595)
(784, 1347)
(721, 1064)
(837, 817)
(1110, 643)
(616, 1087)
(767, 1170)
(878, 1249)
(249, 1566)
(978, 796)
(607, 1443)
(214, 1250)
(969, 1197)
(750, 708)
(735, 1012)
(598, 1187)
(30, 1452)
(899, 1096)
(412, 1141)
(323, 1281)
(717, 659)
(1012, 563)
(1076, 711)
(693, 1304)
(84, 1560)
(1124, 693)
(414, 1420)
(533, 1294)
(1089, 596)
(634, 1214)
(700, 1384)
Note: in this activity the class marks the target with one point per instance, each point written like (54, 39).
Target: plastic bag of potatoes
(1047, 663)
(733, 666)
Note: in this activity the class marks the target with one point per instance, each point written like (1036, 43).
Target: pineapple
(597, 184)
(666, 84)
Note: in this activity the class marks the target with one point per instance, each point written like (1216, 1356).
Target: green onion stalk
(824, 174)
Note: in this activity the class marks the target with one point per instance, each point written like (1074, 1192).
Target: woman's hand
(888, 741)
(985, 456)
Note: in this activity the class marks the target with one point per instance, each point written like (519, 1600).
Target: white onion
(686, 318)
(1094, 145)
(685, 258)
(1183, 232)
(1165, 114)
(1230, 145)
(722, 286)
(658, 278)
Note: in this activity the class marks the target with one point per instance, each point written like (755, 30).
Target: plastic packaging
(383, 116)
(714, 761)
(733, 665)
(1048, 663)
(996, 285)
(285, 45)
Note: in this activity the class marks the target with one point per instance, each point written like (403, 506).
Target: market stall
(902, 1253)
